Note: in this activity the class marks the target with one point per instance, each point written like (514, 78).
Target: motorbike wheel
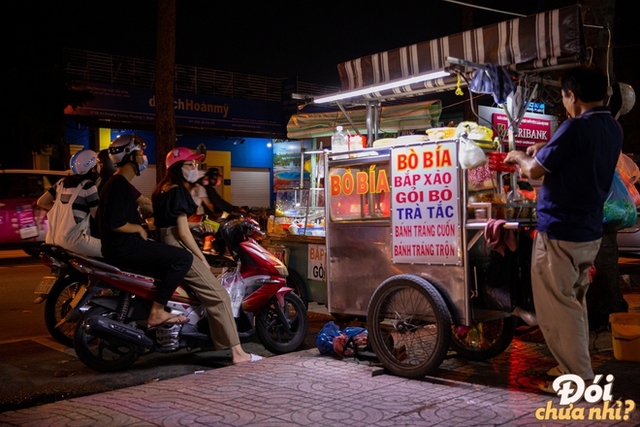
(56, 307)
(295, 282)
(409, 326)
(32, 251)
(282, 329)
(98, 353)
(485, 340)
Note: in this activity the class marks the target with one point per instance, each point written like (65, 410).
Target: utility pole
(165, 77)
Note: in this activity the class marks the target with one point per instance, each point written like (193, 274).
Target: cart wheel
(409, 326)
(482, 341)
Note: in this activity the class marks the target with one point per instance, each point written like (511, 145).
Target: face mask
(190, 175)
(144, 164)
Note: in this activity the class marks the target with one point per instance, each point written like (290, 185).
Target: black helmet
(213, 174)
(106, 165)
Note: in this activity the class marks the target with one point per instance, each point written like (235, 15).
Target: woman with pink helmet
(173, 205)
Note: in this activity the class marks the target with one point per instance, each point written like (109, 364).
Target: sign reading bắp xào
(317, 262)
(425, 193)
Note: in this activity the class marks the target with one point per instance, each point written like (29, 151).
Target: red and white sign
(425, 192)
(531, 130)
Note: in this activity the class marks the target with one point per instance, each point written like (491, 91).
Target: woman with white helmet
(173, 205)
(69, 225)
(124, 239)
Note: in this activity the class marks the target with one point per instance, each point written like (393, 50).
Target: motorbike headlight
(282, 269)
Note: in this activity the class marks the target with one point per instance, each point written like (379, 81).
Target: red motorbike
(112, 308)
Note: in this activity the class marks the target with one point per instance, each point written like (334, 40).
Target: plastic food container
(625, 333)
(495, 161)
(435, 134)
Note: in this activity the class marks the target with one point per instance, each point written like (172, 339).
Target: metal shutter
(251, 187)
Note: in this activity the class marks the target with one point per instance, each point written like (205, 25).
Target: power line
(485, 8)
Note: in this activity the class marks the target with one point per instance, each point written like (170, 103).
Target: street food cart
(408, 244)
(406, 249)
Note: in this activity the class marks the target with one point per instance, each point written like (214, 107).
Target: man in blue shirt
(578, 166)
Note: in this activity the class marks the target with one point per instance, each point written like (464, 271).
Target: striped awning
(394, 118)
(549, 39)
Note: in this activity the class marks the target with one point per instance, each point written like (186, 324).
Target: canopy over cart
(536, 44)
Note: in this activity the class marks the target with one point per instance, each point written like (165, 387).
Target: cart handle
(513, 225)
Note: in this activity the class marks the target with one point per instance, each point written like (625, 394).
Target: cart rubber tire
(100, 354)
(56, 307)
(273, 334)
(299, 286)
(492, 338)
(409, 326)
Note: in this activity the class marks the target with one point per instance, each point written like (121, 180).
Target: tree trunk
(164, 90)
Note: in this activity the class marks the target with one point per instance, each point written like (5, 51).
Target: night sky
(281, 38)
(277, 39)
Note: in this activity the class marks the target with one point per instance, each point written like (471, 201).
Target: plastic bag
(349, 341)
(619, 209)
(628, 182)
(325, 338)
(470, 155)
(209, 226)
(628, 167)
(234, 284)
(345, 343)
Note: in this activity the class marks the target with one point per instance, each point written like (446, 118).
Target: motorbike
(57, 290)
(216, 258)
(112, 308)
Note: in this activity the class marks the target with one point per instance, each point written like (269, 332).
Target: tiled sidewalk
(306, 388)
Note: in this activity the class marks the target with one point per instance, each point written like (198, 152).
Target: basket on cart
(496, 162)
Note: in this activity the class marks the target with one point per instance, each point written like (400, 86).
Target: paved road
(19, 275)
(35, 369)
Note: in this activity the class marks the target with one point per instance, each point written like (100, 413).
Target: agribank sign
(533, 128)
(138, 105)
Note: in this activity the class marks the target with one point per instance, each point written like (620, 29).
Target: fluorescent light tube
(380, 87)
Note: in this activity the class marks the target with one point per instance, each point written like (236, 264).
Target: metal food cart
(405, 250)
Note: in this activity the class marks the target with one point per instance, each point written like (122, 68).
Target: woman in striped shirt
(84, 165)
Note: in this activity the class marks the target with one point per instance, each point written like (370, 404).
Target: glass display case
(360, 191)
(300, 211)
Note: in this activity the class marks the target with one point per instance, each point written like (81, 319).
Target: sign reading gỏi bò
(317, 262)
(425, 193)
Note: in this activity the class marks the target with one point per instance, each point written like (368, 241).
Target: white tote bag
(63, 230)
